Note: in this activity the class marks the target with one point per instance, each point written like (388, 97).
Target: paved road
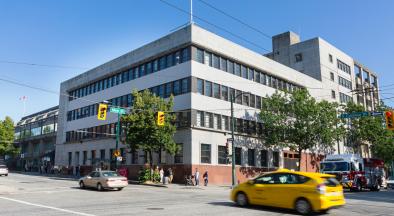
(36, 195)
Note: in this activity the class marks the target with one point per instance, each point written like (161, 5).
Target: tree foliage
(299, 122)
(142, 131)
(7, 146)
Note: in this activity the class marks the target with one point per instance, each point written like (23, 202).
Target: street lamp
(232, 99)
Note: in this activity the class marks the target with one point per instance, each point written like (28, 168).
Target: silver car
(3, 170)
(103, 180)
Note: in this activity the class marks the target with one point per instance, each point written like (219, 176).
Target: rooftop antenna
(191, 12)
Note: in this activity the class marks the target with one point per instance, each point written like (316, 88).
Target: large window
(216, 62)
(238, 156)
(344, 82)
(264, 158)
(208, 120)
(200, 56)
(200, 86)
(178, 158)
(343, 66)
(251, 156)
(200, 119)
(208, 58)
(224, 93)
(275, 159)
(205, 153)
(343, 98)
(222, 156)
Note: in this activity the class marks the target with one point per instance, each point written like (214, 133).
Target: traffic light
(160, 118)
(102, 112)
(389, 120)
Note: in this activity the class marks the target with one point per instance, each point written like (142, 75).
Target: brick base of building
(218, 174)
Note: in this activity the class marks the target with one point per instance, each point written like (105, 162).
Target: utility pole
(117, 140)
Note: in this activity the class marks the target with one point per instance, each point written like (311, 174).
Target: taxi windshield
(334, 166)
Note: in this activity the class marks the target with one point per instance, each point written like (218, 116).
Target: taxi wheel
(99, 187)
(242, 199)
(303, 207)
(81, 184)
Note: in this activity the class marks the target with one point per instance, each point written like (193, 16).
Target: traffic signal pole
(117, 140)
(232, 143)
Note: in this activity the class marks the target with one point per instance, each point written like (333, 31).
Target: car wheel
(81, 184)
(303, 207)
(119, 189)
(99, 187)
(6, 174)
(242, 199)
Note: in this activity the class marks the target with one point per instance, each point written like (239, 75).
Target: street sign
(354, 115)
(377, 113)
(117, 110)
(119, 158)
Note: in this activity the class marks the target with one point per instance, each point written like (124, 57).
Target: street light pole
(232, 100)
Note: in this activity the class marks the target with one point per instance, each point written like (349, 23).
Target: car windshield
(334, 166)
(109, 174)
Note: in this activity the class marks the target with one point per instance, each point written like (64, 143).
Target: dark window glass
(275, 159)
(238, 99)
(257, 76)
(224, 93)
(148, 67)
(177, 57)
(142, 70)
(200, 119)
(177, 87)
(239, 126)
(205, 153)
(245, 99)
(222, 156)
(200, 56)
(238, 156)
(161, 91)
(208, 88)
(258, 102)
(216, 63)
(263, 79)
(209, 120)
(230, 66)
(264, 158)
(185, 85)
(244, 72)
(216, 91)
(168, 89)
(162, 63)
(252, 100)
(223, 64)
(155, 65)
(298, 57)
(178, 158)
(170, 60)
(200, 86)
(251, 74)
(237, 69)
(186, 54)
(251, 161)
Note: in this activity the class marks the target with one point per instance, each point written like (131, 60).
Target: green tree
(7, 146)
(299, 122)
(142, 131)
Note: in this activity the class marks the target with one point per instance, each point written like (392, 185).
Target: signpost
(119, 111)
(360, 114)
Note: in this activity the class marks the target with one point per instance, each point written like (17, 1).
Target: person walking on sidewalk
(161, 175)
(170, 175)
(197, 177)
(205, 176)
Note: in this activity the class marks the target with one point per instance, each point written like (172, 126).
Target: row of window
(222, 122)
(343, 66)
(176, 87)
(161, 63)
(344, 82)
(238, 69)
(222, 92)
(206, 156)
(101, 131)
(38, 128)
(343, 98)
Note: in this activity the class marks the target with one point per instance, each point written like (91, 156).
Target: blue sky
(87, 33)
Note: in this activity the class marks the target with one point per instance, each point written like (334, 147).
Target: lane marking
(48, 207)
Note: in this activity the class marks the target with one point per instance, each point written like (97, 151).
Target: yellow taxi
(302, 191)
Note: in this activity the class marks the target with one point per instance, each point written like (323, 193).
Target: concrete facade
(201, 67)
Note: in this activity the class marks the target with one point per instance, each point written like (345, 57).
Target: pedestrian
(161, 175)
(205, 176)
(26, 167)
(170, 175)
(197, 177)
(77, 172)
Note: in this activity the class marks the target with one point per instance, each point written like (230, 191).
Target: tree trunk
(151, 165)
(299, 159)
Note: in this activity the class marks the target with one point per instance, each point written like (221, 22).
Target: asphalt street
(39, 195)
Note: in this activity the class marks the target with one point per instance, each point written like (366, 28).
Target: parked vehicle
(354, 172)
(390, 182)
(102, 180)
(3, 170)
(305, 192)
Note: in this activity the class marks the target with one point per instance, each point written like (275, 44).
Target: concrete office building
(35, 134)
(343, 78)
(200, 69)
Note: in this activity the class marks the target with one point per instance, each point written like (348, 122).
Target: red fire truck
(354, 172)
